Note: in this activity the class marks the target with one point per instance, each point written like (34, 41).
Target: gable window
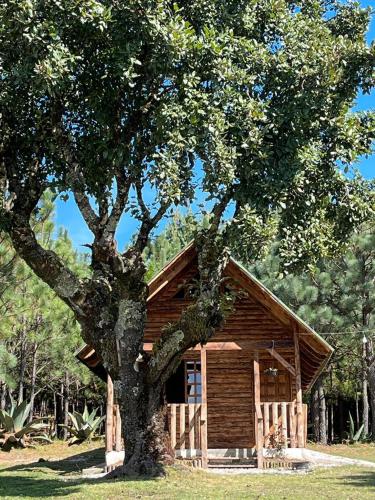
(193, 382)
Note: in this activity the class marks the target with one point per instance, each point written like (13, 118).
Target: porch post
(300, 419)
(118, 443)
(204, 407)
(109, 418)
(258, 419)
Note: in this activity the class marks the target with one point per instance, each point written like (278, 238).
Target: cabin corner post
(117, 425)
(109, 417)
(258, 418)
(204, 446)
(299, 402)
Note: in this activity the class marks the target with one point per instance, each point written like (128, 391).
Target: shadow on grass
(365, 479)
(48, 478)
(69, 465)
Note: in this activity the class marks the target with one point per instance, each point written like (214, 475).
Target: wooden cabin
(241, 393)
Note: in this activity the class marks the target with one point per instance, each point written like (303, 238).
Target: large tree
(137, 106)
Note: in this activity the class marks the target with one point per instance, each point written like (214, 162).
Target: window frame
(196, 384)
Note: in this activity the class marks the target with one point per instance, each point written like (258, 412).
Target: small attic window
(186, 291)
(180, 293)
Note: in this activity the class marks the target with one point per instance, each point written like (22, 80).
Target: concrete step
(231, 462)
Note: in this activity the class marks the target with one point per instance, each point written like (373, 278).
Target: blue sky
(68, 215)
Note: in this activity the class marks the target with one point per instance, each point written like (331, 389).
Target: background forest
(38, 335)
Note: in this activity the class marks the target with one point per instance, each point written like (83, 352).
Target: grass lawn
(357, 451)
(22, 476)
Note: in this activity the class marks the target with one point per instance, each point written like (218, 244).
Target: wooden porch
(277, 424)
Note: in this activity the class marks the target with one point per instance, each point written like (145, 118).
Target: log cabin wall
(230, 392)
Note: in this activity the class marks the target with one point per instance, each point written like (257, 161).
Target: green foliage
(256, 96)
(338, 301)
(175, 236)
(84, 426)
(14, 432)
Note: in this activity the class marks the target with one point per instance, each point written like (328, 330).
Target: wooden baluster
(173, 426)
(191, 426)
(284, 425)
(196, 425)
(266, 416)
(292, 424)
(182, 427)
(275, 417)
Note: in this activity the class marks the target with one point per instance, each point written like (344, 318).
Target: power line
(371, 330)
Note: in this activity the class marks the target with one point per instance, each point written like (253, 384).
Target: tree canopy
(139, 106)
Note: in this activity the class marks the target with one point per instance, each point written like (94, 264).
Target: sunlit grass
(59, 476)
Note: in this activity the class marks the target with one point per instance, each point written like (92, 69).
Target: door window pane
(193, 384)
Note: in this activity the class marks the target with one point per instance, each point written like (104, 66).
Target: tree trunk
(144, 428)
(371, 383)
(66, 405)
(315, 413)
(33, 381)
(3, 395)
(322, 412)
(60, 412)
(332, 429)
(22, 366)
(142, 405)
(365, 405)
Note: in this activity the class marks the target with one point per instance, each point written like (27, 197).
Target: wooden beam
(109, 418)
(234, 346)
(282, 361)
(300, 419)
(258, 412)
(118, 441)
(204, 442)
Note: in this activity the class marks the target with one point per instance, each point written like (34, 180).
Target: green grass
(364, 451)
(60, 477)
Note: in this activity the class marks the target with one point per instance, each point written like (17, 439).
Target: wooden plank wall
(230, 389)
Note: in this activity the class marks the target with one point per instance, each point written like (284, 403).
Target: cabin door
(230, 400)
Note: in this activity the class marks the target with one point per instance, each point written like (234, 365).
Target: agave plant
(84, 425)
(14, 433)
(353, 436)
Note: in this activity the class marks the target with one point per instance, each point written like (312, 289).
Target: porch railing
(279, 425)
(188, 429)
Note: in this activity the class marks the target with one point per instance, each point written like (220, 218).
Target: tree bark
(3, 394)
(33, 380)
(22, 366)
(142, 405)
(315, 412)
(322, 413)
(60, 412)
(365, 405)
(371, 383)
(66, 405)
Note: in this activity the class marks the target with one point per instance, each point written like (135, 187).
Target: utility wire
(371, 330)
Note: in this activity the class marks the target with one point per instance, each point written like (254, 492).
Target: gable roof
(314, 350)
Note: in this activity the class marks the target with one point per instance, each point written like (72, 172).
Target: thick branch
(86, 210)
(123, 186)
(46, 264)
(148, 224)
